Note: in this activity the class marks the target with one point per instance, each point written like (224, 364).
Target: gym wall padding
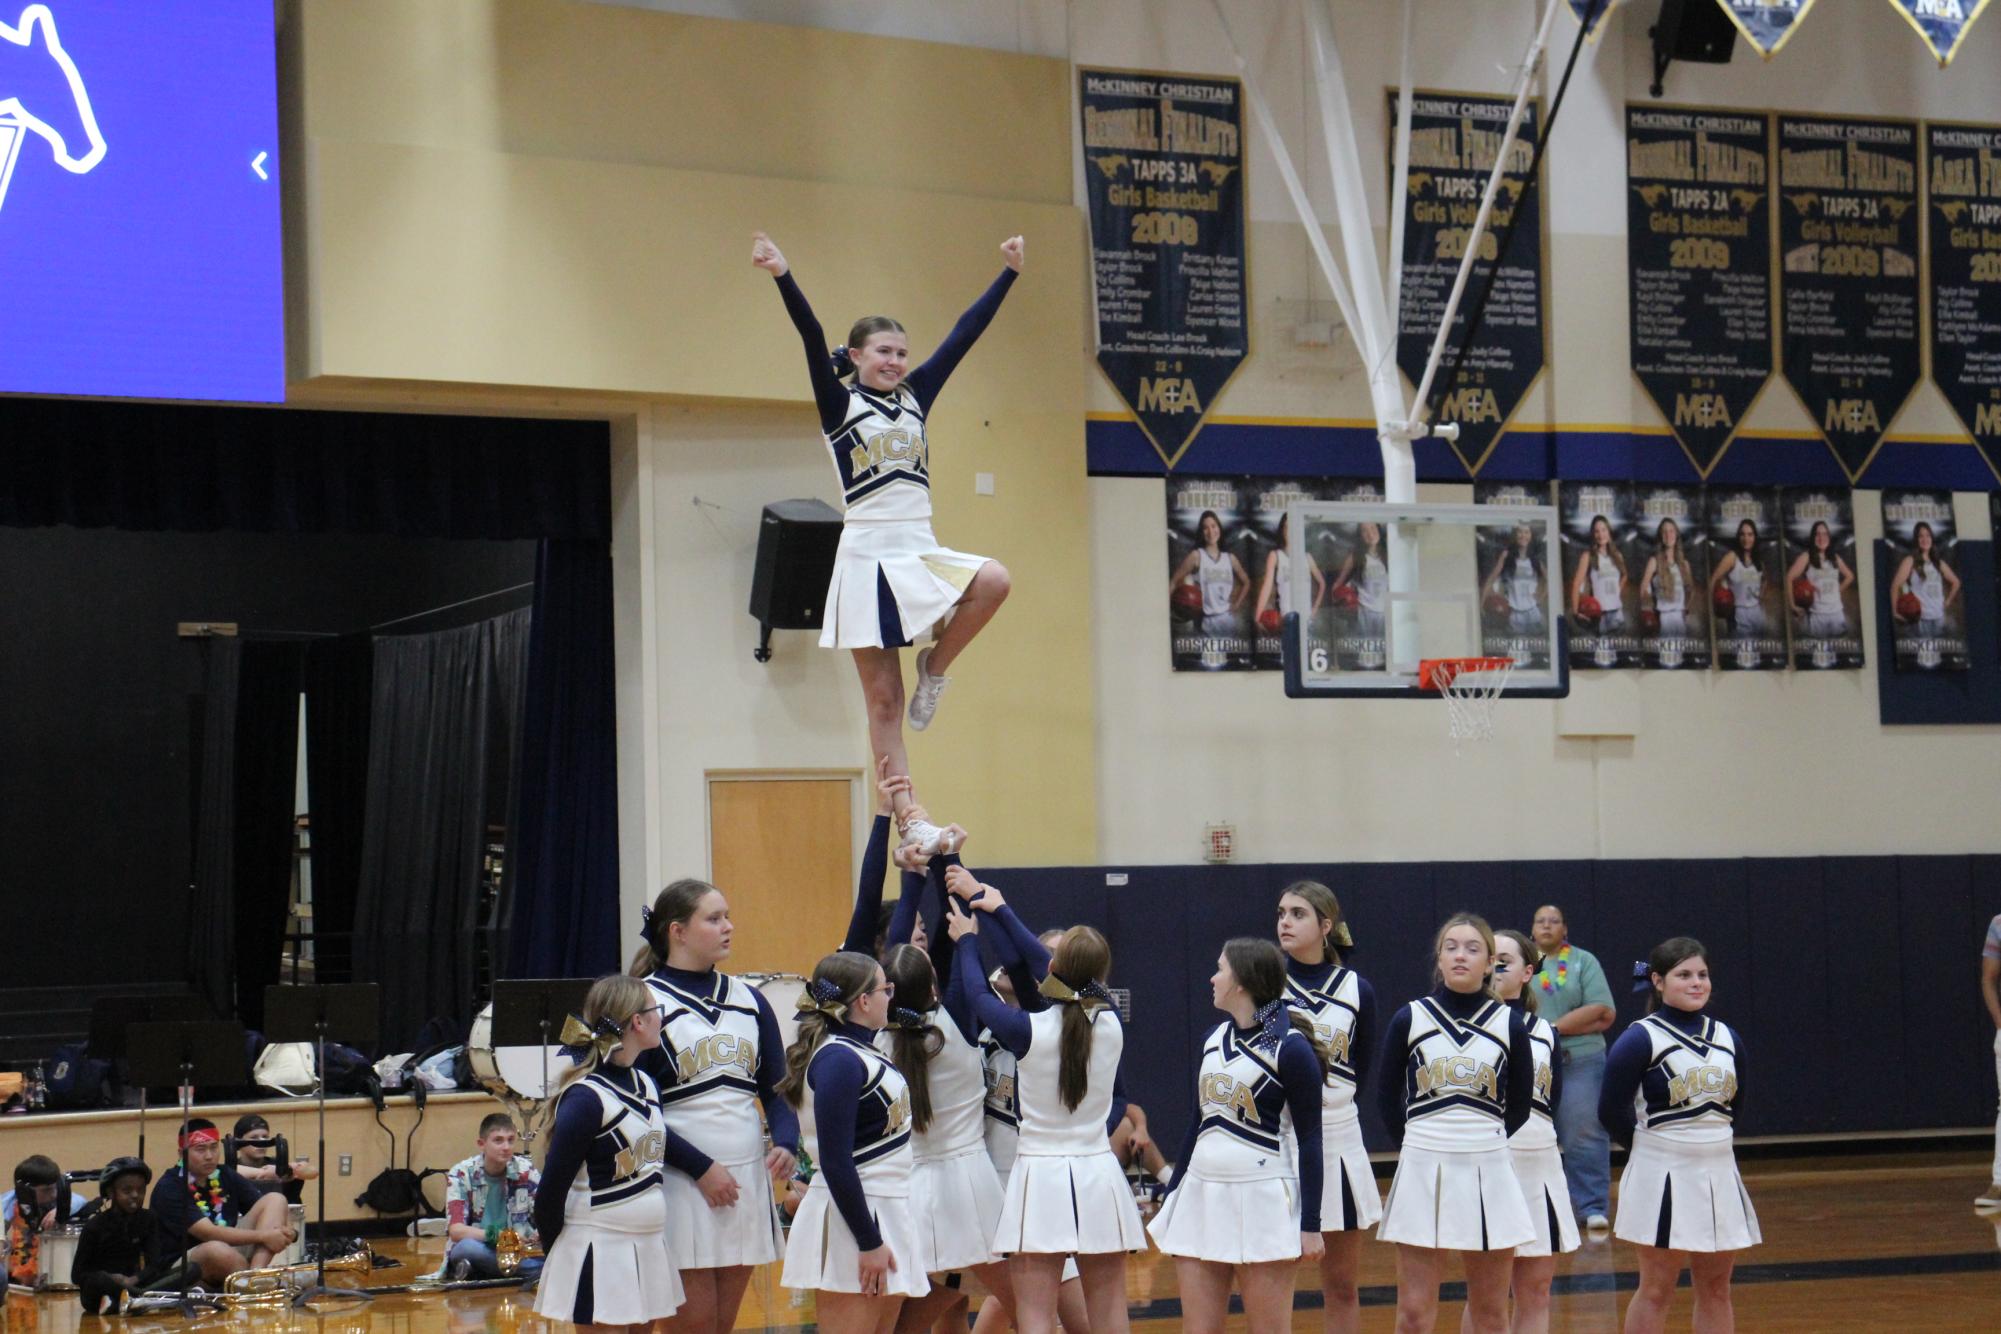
(1852, 980)
(1942, 698)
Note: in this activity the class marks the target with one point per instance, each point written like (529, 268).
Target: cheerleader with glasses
(720, 1058)
(1671, 1091)
(893, 583)
(854, 1239)
(1067, 1195)
(1538, 1163)
(1461, 1080)
(1235, 1206)
(600, 1210)
(1342, 1007)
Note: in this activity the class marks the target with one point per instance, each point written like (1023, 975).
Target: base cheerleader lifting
(893, 583)
(1538, 1162)
(720, 1057)
(1458, 1080)
(600, 1211)
(1672, 1092)
(1235, 1207)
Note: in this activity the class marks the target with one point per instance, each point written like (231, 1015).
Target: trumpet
(509, 1250)
(277, 1285)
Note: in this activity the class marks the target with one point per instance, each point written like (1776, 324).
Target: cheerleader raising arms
(1671, 1091)
(1342, 1007)
(893, 583)
(1460, 1077)
(854, 1107)
(1234, 1207)
(600, 1211)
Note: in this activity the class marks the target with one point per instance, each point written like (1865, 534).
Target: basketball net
(1471, 686)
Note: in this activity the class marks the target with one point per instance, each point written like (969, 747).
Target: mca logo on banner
(1767, 24)
(1942, 23)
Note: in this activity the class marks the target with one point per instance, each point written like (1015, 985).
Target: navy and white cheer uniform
(856, 1121)
(720, 1056)
(1825, 619)
(1216, 577)
(1747, 591)
(1538, 1161)
(1066, 1194)
(1342, 1006)
(1235, 1198)
(1522, 587)
(1671, 1091)
(600, 1211)
(892, 581)
(1458, 1076)
(1605, 581)
(1929, 585)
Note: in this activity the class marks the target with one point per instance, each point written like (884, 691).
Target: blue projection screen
(140, 241)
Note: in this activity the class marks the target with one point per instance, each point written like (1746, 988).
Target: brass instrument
(508, 1250)
(277, 1285)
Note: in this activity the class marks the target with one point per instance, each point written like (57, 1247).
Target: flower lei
(208, 1196)
(1562, 958)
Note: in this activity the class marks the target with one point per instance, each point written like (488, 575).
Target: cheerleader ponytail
(1083, 955)
(913, 1038)
(838, 981)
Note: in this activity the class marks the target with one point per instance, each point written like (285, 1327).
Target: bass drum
(512, 1071)
(55, 1256)
(783, 991)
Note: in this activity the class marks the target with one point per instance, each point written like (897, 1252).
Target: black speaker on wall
(795, 559)
(1695, 30)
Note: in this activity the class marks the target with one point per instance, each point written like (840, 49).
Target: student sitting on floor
(119, 1251)
(214, 1213)
(39, 1201)
(486, 1194)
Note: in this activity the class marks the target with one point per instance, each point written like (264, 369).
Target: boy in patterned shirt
(486, 1194)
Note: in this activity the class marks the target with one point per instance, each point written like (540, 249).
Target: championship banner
(1699, 268)
(1963, 170)
(1591, 13)
(1848, 290)
(1820, 585)
(1942, 23)
(1766, 24)
(1671, 554)
(1163, 157)
(1209, 586)
(1600, 583)
(1746, 568)
(1927, 611)
(1454, 138)
(1514, 585)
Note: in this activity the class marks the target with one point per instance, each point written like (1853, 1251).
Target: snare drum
(511, 1070)
(783, 991)
(55, 1257)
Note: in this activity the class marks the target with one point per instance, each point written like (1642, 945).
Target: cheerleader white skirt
(1684, 1197)
(598, 1275)
(1229, 1222)
(820, 1252)
(1349, 1198)
(925, 581)
(1065, 1204)
(956, 1205)
(1547, 1196)
(1456, 1202)
(744, 1233)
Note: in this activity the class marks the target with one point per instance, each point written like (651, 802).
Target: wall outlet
(347, 1164)
(983, 483)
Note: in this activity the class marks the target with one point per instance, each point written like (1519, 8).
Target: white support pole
(1400, 179)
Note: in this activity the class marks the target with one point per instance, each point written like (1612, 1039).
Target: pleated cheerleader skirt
(1547, 1196)
(1456, 1202)
(1229, 1222)
(1068, 1204)
(820, 1252)
(1684, 1197)
(613, 1268)
(745, 1233)
(892, 584)
(1349, 1198)
(955, 1203)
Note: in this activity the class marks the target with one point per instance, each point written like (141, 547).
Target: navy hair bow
(1643, 977)
(904, 1017)
(843, 362)
(1274, 1021)
(646, 927)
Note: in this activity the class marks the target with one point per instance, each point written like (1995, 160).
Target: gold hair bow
(577, 1033)
(1341, 936)
(834, 1010)
(1093, 997)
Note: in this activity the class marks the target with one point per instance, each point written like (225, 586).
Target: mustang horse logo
(42, 94)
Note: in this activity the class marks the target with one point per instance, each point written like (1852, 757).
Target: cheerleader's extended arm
(927, 380)
(868, 890)
(1010, 1027)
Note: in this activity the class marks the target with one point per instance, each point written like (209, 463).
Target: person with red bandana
(213, 1213)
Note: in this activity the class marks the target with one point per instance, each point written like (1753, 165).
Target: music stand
(311, 1014)
(111, 1017)
(180, 1053)
(529, 1012)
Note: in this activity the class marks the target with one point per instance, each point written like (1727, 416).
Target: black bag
(398, 1190)
(75, 1080)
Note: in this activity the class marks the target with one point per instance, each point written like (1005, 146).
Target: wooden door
(781, 847)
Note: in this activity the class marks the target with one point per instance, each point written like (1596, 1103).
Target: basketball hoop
(1470, 686)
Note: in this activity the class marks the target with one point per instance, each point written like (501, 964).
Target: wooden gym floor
(1851, 1243)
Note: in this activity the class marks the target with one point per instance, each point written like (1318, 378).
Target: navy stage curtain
(562, 864)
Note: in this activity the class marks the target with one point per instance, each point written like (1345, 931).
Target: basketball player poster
(1266, 556)
(1823, 598)
(1209, 584)
(1670, 555)
(1600, 584)
(1927, 611)
(1514, 585)
(1354, 560)
(1746, 586)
